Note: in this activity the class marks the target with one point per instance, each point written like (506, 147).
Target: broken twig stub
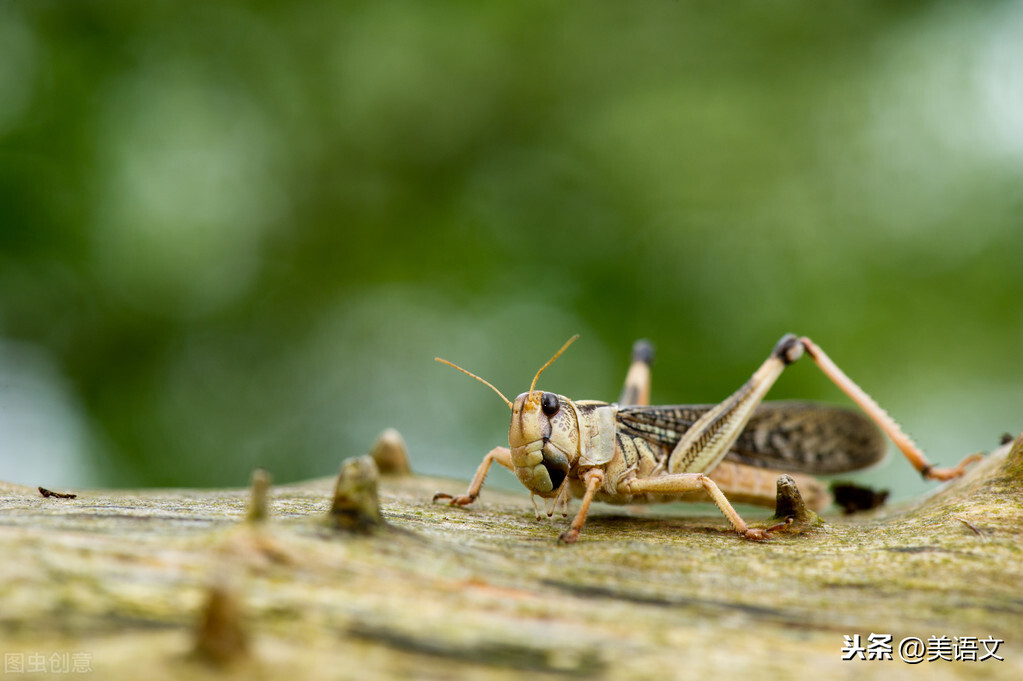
(390, 454)
(56, 495)
(220, 638)
(356, 506)
(259, 505)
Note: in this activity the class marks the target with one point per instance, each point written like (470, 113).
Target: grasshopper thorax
(544, 441)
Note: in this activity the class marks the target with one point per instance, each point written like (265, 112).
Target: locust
(630, 452)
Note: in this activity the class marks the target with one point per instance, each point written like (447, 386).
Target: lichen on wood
(486, 592)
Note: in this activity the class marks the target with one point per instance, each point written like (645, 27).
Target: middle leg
(692, 482)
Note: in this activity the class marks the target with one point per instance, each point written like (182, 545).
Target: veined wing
(802, 437)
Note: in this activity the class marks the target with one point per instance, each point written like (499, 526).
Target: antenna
(549, 362)
(486, 383)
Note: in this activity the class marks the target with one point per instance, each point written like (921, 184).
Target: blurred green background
(236, 234)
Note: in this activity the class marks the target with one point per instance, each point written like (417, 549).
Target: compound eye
(549, 404)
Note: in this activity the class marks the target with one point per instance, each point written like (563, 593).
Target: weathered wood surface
(486, 592)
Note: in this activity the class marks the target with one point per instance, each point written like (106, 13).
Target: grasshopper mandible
(630, 452)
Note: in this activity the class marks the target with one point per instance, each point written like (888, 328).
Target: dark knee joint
(643, 351)
(788, 349)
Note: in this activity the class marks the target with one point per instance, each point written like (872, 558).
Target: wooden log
(122, 582)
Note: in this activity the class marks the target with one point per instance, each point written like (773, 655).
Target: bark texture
(173, 584)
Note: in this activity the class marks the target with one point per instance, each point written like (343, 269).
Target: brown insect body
(783, 437)
(600, 451)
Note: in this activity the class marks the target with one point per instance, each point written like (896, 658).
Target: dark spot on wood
(757, 612)
(56, 495)
(853, 498)
(491, 654)
(970, 525)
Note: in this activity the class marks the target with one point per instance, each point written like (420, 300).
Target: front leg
(501, 455)
(593, 478)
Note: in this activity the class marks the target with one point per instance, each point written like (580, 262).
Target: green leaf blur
(236, 234)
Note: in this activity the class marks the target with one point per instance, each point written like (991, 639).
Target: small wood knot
(390, 454)
(356, 507)
(259, 506)
(789, 505)
(220, 638)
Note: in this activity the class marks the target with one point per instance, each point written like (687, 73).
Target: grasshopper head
(544, 441)
(543, 436)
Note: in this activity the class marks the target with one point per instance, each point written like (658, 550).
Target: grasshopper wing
(806, 437)
(799, 437)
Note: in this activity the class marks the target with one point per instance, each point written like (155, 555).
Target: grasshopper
(629, 452)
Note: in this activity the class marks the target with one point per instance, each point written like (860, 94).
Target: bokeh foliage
(235, 234)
